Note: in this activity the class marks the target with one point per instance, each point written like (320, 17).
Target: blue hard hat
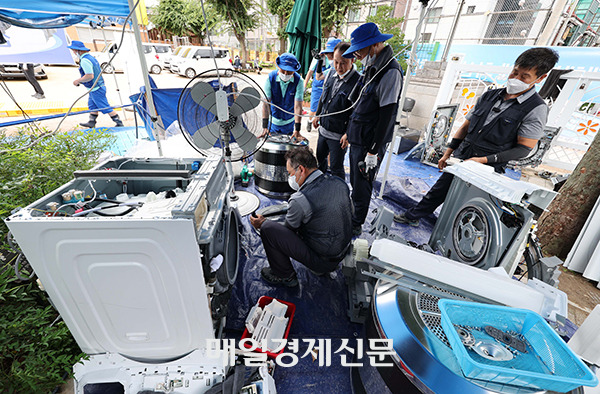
(365, 35)
(288, 62)
(331, 44)
(78, 45)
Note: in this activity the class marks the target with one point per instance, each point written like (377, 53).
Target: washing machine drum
(477, 236)
(471, 234)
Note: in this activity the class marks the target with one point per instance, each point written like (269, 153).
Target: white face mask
(285, 78)
(292, 182)
(514, 86)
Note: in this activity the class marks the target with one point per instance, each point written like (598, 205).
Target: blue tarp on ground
(322, 302)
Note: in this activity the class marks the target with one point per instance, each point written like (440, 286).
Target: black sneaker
(356, 230)
(273, 279)
(400, 218)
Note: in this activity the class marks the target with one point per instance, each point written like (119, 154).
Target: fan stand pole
(225, 139)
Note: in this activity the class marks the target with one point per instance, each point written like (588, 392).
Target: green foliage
(239, 15)
(183, 17)
(28, 174)
(334, 14)
(195, 23)
(36, 350)
(282, 9)
(389, 25)
(169, 16)
(35, 354)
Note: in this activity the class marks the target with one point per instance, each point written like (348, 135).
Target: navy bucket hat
(365, 35)
(78, 45)
(287, 62)
(331, 44)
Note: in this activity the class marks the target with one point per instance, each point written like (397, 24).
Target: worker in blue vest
(91, 77)
(285, 90)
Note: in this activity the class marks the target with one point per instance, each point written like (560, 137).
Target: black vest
(329, 231)
(330, 103)
(501, 133)
(366, 113)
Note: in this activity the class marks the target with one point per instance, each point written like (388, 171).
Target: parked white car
(201, 60)
(118, 63)
(178, 55)
(163, 54)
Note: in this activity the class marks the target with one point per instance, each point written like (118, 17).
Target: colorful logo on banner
(589, 126)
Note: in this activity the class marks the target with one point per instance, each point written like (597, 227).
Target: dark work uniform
(371, 125)
(483, 139)
(29, 72)
(335, 98)
(317, 231)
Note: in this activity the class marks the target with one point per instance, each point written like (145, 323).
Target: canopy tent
(304, 29)
(49, 9)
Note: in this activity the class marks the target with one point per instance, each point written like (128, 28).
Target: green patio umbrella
(304, 29)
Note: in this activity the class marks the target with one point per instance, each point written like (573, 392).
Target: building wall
(357, 18)
(482, 21)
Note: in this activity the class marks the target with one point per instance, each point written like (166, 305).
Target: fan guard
(197, 115)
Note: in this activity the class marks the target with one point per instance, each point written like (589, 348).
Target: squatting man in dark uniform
(335, 100)
(504, 125)
(371, 122)
(317, 229)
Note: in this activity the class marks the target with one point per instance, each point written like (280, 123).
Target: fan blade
(248, 99)
(206, 137)
(203, 94)
(245, 139)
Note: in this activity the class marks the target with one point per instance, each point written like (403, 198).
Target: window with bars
(471, 9)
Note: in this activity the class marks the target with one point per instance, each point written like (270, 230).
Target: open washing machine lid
(133, 287)
(485, 178)
(486, 284)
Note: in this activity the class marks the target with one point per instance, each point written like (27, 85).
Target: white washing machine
(132, 274)
(485, 218)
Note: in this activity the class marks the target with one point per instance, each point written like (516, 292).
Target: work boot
(269, 277)
(117, 121)
(401, 218)
(90, 124)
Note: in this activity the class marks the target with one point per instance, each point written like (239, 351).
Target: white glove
(370, 161)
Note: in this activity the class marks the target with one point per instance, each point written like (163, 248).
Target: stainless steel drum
(270, 173)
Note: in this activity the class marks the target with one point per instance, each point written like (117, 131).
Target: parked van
(118, 63)
(201, 60)
(179, 54)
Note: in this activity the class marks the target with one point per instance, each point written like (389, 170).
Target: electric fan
(223, 116)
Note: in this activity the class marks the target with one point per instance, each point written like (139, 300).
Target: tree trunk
(559, 227)
(241, 37)
(283, 38)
